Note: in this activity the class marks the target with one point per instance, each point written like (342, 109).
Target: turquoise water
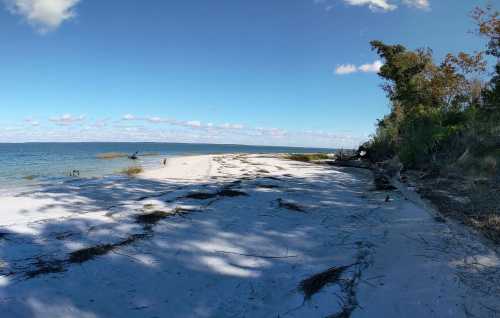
(45, 161)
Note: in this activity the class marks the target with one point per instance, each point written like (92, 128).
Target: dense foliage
(442, 114)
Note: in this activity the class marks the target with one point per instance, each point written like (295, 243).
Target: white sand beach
(234, 236)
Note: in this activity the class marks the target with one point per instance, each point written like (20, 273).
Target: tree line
(442, 113)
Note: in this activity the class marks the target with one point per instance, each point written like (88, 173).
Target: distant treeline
(442, 114)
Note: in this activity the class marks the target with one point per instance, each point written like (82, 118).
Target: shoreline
(252, 228)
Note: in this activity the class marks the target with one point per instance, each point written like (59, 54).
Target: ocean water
(29, 163)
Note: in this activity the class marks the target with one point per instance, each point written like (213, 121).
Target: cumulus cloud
(129, 117)
(419, 4)
(371, 68)
(193, 123)
(365, 68)
(346, 69)
(67, 119)
(374, 5)
(44, 15)
(377, 5)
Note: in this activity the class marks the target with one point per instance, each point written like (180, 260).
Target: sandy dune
(234, 236)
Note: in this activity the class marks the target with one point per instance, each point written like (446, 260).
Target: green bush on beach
(307, 157)
(442, 114)
(132, 171)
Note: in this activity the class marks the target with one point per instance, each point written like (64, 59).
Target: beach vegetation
(307, 157)
(111, 155)
(442, 113)
(133, 170)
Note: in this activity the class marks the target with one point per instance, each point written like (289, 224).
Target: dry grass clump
(111, 155)
(132, 171)
(315, 283)
(483, 160)
(307, 157)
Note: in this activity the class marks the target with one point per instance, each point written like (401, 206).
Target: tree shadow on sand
(224, 248)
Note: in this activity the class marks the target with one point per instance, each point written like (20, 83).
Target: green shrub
(307, 157)
(132, 171)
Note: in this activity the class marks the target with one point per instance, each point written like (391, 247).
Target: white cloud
(44, 15)
(67, 119)
(419, 4)
(365, 68)
(377, 5)
(155, 120)
(100, 123)
(193, 123)
(271, 132)
(371, 68)
(231, 126)
(144, 129)
(129, 117)
(346, 69)
(32, 122)
(374, 5)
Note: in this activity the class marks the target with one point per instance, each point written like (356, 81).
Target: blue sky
(274, 72)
